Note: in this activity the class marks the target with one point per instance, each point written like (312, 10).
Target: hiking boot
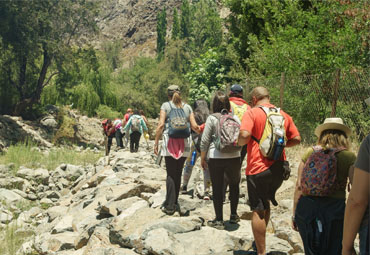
(184, 189)
(234, 218)
(217, 224)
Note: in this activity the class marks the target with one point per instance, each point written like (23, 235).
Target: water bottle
(279, 148)
(193, 157)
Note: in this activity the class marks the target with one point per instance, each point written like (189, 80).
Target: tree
(35, 35)
(185, 23)
(175, 26)
(161, 32)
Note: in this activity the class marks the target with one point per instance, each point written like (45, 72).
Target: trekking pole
(159, 157)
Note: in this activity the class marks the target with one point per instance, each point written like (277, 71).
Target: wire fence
(312, 98)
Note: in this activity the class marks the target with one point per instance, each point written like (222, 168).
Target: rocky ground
(113, 207)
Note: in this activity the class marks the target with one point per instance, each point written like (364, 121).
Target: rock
(56, 211)
(74, 172)
(5, 216)
(64, 225)
(39, 175)
(62, 241)
(46, 202)
(10, 197)
(157, 199)
(49, 122)
(53, 194)
(115, 208)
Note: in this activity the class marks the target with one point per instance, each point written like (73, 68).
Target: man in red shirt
(264, 176)
(126, 117)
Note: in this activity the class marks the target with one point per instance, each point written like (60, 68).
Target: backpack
(319, 172)
(227, 132)
(178, 124)
(273, 140)
(135, 124)
(239, 110)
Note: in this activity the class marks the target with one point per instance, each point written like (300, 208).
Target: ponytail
(176, 99)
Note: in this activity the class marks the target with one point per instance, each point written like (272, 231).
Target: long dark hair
(220, 102)
(201, 111)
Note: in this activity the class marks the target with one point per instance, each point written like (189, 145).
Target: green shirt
(345, 159)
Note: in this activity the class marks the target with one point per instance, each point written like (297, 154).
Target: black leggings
(174, 170)
(134, 141)
(217, 169)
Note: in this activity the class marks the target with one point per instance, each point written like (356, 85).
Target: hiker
(144, 118)
(146, 134)
(175, 121)
(201, 113)
(265, 171)
(118, 131)
(356, 218)
(320, 192)
(126, 117)
(238, 106)
(221, 162)
(108, 135)
(135, 127)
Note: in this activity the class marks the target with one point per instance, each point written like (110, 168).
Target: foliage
(105, 112)
(186, 21)
(161, 32)
(66, 130)
(35, 36)
(33, 158)
(175, 26)
(206, 76)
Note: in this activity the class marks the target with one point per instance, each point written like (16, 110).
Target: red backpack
(320, 172)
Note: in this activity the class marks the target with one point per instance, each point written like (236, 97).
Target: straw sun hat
(333, 123)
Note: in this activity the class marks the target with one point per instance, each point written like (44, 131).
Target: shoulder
(188, 107)
(347, 155)
(307, 154)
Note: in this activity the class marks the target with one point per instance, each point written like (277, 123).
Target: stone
(64, 225)
(53, 194)
(62, 241)
(10, 197)
(115, 208)
(49, 122)
(74, 172)
(5, 216)
(46, 201)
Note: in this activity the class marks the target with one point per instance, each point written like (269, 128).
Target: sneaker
(234, 218)
(168, 211)
(184, 189)
(206, 196)
(217, 224)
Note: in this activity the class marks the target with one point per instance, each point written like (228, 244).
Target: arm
(159, 130)
(194, 124)
(143, 125)
(357, 203)
(293, 142)
(206, 141)
(244, 137)
(297, 192)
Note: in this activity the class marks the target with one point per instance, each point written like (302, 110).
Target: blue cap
(236, 88)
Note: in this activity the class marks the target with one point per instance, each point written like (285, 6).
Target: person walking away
(356, 217)
(118, 127)
(201, 113)
(126, 117)
(175, 121)
(146, 134)
(108, 136)
(238, 107)
(135, 126)
(265, 173)
(223, 158)
(320, 192)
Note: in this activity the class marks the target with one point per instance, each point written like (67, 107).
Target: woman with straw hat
(320, 192)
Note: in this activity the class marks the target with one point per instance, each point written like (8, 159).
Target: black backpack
(178, 124)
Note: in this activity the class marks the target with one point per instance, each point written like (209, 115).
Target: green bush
(105, 112)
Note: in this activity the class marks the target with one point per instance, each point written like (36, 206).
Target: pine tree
(176, 25)
(185, 23)
(161, 32)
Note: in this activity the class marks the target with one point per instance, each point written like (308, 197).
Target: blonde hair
(176, 99)
(332, 138)
(260, 93)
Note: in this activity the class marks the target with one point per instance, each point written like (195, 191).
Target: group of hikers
(230, 130)
(130, 128)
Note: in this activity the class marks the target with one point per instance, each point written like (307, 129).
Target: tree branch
(48, 80)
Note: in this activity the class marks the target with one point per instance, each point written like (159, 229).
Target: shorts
(263, 186)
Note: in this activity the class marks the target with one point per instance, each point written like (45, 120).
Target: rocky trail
(113, 207)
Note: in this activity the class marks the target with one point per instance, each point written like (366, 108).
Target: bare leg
(260, 220)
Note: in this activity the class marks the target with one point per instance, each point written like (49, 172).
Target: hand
(294, 224)
(156, 148)
(204, 163)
